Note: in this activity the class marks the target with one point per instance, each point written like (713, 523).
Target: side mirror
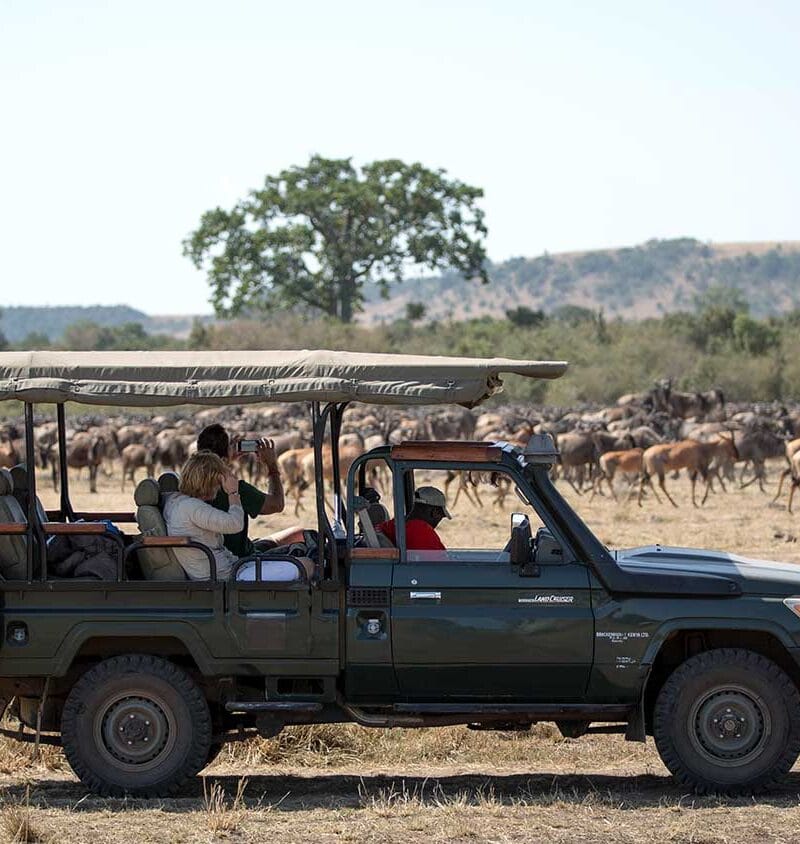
(520, 545)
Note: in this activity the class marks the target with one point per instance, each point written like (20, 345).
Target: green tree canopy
(313, 236)
(86, 335)
(415, 311)
(524, 317)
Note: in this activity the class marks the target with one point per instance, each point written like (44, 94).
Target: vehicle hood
(755, 576)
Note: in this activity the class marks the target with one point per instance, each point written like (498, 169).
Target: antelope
(791, 449)
(9, 455)
(290, 464)
(691, 455)
(351, 447)
(795, 470)
(629, 462)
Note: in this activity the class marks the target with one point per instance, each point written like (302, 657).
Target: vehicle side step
(272, 706)
(539, 711)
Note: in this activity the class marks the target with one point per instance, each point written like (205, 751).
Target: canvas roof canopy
(151, 379)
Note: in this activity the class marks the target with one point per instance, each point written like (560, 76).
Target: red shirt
(420, 536)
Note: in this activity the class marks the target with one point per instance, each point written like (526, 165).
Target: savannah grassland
(345, 783)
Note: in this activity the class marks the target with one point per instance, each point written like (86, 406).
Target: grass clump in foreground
(17, 825)
(221, 815)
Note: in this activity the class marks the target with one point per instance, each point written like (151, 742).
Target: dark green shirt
(252, 502)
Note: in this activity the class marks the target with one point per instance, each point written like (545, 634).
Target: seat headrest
(378, 514)
(6, 482)
(371, 494)
(147, 493)
(19, 475)
(168, 482)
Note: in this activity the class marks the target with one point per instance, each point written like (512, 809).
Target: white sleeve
(218, 521)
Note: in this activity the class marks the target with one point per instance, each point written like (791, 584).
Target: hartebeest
(628, 462)
(791, 449)
(695, 457)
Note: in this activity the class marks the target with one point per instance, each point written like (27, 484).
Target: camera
(247, 446)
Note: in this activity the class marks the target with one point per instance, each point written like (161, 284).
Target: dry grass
(223, 815)
(337, 783)
(17, 825)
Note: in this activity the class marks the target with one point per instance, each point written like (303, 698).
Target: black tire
(136, 725)
(728, 721)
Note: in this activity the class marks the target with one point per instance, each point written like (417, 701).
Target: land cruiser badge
(548, 599)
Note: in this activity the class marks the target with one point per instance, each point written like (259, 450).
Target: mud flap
(636, 729)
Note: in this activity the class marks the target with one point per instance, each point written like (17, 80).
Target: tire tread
(137, 664)
(702, 663)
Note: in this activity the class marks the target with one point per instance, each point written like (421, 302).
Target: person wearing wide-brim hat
(428, 510)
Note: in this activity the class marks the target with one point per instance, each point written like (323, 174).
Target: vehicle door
(468, 624)
(270, 619)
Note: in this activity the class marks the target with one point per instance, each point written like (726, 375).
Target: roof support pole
(67, 512)
(327, 540)
(34, 528)
(336, 431)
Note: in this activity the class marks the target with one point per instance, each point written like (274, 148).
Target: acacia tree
(316, 235)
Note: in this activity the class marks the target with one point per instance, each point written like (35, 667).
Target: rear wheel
(728, 721)
(136, 725)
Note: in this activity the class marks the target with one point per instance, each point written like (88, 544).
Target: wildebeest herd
(639, 442)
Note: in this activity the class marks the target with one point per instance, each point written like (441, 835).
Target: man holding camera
(215, 438)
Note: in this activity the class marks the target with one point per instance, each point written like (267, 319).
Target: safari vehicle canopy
(147, 379)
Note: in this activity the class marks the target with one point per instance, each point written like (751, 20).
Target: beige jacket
(203, 523)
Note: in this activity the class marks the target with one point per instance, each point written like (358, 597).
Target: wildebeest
(84, 449)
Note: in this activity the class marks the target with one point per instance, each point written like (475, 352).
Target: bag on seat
(19, 474)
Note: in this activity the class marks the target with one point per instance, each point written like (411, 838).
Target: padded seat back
(365, 511)
(378, 513)
(19, 474)
(13, 549)
(156, 563)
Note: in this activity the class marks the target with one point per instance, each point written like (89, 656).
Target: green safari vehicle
(144, 677)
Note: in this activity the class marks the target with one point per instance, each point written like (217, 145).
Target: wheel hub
(729, 726)
(135, 730)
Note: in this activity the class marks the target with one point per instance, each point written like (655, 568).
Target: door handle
(434, 596)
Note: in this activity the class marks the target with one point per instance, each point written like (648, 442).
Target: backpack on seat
(19, 475)
(156, 563)
(13, 549)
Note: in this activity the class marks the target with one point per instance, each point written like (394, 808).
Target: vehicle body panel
(480, 630)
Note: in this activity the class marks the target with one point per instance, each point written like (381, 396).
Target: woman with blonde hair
(188, 512)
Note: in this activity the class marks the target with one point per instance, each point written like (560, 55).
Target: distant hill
(17, 323)
(636, 282)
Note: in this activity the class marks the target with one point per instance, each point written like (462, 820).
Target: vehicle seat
(156, 563)
(377, 512)
(364, 510)
(168, 482)
(13, 549)
(19, 474)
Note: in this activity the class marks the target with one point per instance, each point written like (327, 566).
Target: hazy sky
(588, 124)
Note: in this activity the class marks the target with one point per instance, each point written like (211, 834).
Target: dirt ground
(348, 784)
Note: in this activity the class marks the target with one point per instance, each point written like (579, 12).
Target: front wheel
(136, 725)
(728, 721)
